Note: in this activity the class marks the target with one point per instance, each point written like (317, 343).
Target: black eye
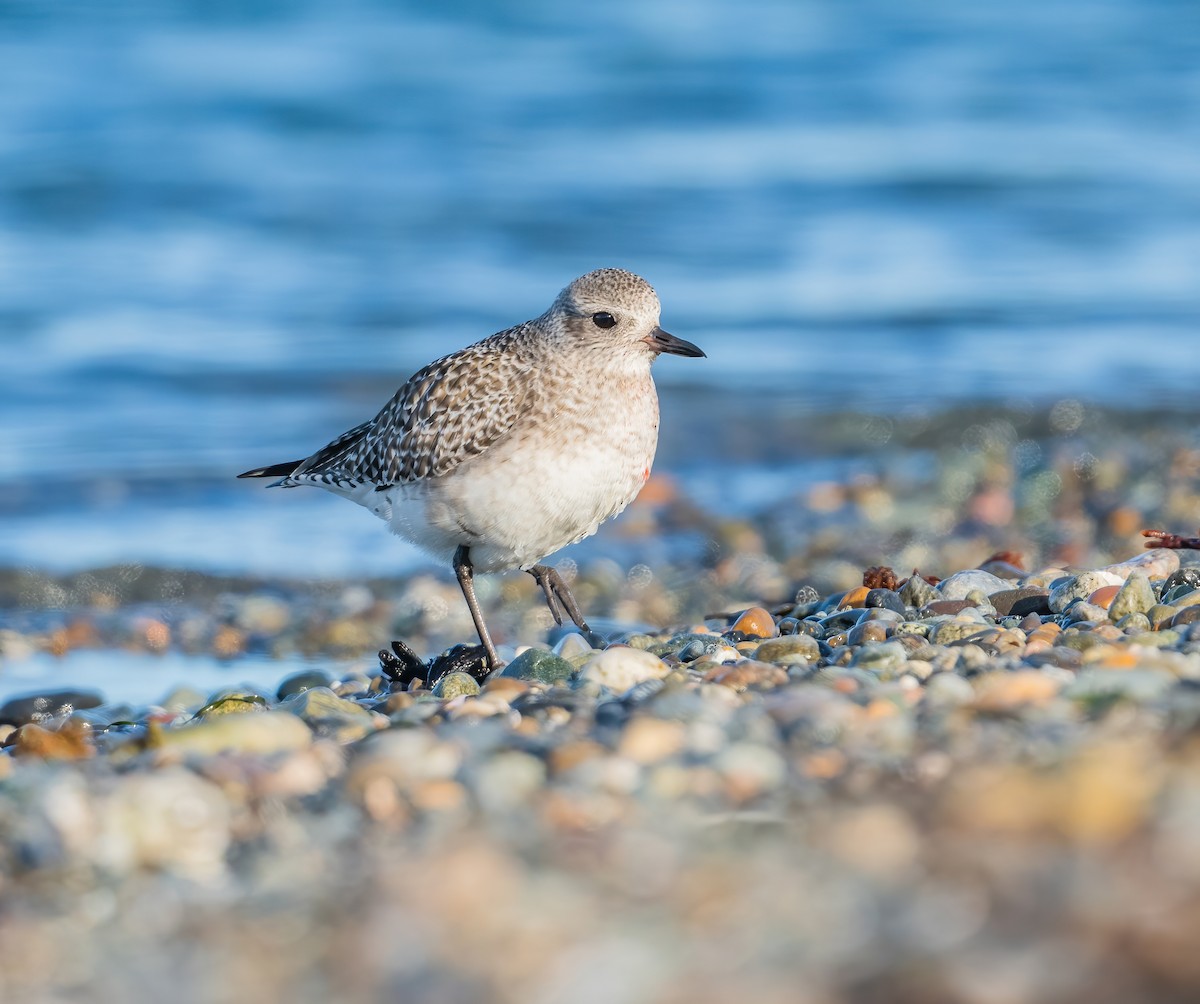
(603, 319)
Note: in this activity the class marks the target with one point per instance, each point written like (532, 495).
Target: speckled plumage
(520, 444)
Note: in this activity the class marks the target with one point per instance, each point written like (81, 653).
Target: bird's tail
(274, 471)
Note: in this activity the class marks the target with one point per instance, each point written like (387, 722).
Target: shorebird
(496, 456)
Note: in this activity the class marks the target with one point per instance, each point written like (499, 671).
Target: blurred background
(919, 242)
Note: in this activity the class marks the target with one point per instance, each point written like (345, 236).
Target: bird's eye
(603, 319)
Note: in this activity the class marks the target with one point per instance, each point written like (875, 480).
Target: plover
(496, 456)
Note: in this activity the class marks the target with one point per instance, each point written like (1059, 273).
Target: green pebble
(1133, 623)
(952, 631)
(540, 666)
(1160, 613)
(330, 716)
(1156, 639)
(883, 658)
(232, 704)
(1135, 597)
(455, 685)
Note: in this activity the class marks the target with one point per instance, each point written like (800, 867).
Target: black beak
(663, 341)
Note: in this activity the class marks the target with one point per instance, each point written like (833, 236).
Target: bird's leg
(539, 576)
(466, 581)
(558, 596)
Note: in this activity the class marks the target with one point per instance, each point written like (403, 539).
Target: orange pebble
(1103, 596)
(855, 598)
(756, 621)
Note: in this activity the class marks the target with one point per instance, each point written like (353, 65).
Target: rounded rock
(756, 621)
(1136, 596)
(958, 585)
(790, 650)
(456, 685)
(539, 665)
(1079, 587)
(619, 668)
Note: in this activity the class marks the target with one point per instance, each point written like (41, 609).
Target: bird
(498, 455)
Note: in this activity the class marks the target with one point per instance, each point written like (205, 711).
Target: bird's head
(616, 312)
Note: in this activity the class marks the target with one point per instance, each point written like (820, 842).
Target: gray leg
(466, 581)
(558, 596)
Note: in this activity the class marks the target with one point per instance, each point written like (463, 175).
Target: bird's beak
(663, 341)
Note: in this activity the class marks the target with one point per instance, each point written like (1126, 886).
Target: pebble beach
(885, 699)
(827, 757)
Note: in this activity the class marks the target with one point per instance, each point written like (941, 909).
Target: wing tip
(274, 471)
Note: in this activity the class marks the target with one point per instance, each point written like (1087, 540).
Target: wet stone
(789, 651)
(539, 665)
(866, 632)
(1160, 614)
(756, 622)
(887, 599)
(882, 615)
(1185, 580)
(46, 705)
(304, 680)
(1188, 615)
(232, 704)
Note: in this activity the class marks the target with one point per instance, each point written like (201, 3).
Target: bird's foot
(558, 596)
(403, 666)
(470, 659)
(1171, 541)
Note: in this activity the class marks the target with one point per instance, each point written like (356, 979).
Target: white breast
(549, 484)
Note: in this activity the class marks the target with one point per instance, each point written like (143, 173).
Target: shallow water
(139, 679)
(227, 232)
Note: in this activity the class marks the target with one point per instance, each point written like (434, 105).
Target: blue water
(140, 679)
(228, 230)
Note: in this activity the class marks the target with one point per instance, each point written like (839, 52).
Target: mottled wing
(453, 409)
(331, 464)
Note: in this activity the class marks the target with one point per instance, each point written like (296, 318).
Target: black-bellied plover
(501, 454)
